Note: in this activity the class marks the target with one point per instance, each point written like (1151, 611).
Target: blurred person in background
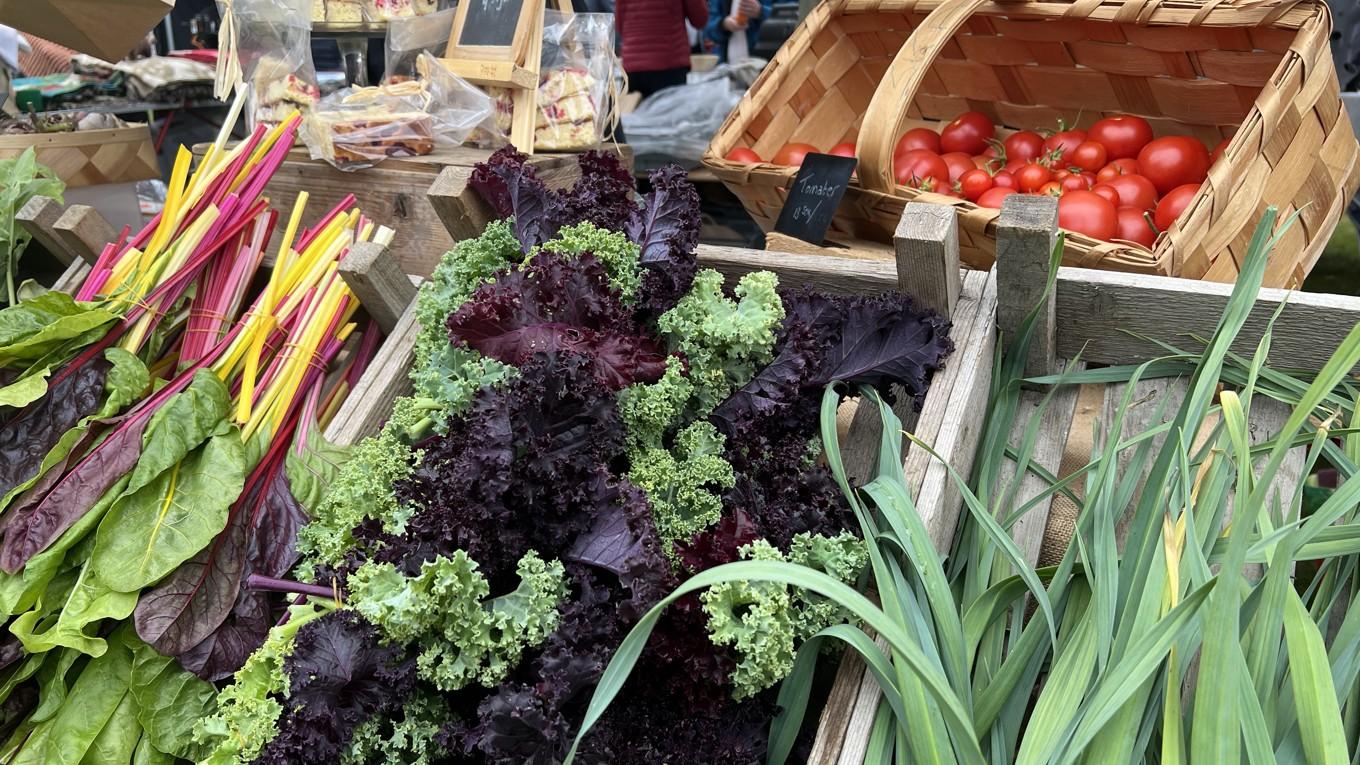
(734, 27)
(656, 48)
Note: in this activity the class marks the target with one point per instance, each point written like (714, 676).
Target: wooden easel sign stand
(500, 43)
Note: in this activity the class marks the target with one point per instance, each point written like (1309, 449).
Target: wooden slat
(1026, 234)
(828, 274)
(386, 379)
(39, 217)
(927, 247)
(1055, 423)
(84, 231)
(72, 277)
(376, 279)
(1102, 313)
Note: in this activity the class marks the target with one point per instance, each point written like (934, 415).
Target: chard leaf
(54, 682)
(169, 700)
(148, 754)
(27, 390)
(312, 469)
(152, 530)
(26, 439)
(189, 418)
(118, 740)
(91, 705)
(89, 602)
(37, 327)
(123, 384)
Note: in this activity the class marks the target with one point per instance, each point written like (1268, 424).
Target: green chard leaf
(313, 468)
(150, 531)
(169, 700)
(37, 327)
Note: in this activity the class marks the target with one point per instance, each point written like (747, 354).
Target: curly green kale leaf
(463, 637)
(443, 374)
(362, 489)
(650, 411)
(765, 621)
(248, 709)
(725, 341)
(408, 739)
(684, 484)
(613, 249)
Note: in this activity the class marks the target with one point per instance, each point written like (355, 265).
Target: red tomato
(1134, 191)
(1063, 144)
(845, 149)
(1218, 150)
(959, 163)
(992, 197)
(1087, 212)
(918, 138)
(1173, 204)
(1088, 155)
(1004, 179)
(1051, 189)
(1117, 168)
(1032, 176)
(744, 155)
(1024, 145)
(975, 183)
(1075, 183)
(1107, 191)
(1122, 135)
(792, 154)
(968, 133)
(1174, 161)
(917, 165)
(1132, 225)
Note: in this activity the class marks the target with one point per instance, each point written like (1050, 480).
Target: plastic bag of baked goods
(388, 10)
(577, 87)
(273, 42)
(408, 38)
(355, 128)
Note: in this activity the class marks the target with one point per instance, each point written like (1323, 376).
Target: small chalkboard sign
(816, 193)
(491, 22)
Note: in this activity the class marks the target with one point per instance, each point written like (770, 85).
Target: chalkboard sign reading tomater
(816, 193)
(491, 22)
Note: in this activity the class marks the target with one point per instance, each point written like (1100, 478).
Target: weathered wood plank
(386, 379)
(1026, 234)
(1054, 425)
(845, 276)
(927, 247)
(379, 283)
(72, 277)
(965, 383)
(1102, 314)
(861, 720)
(84, 231)
(39, 217)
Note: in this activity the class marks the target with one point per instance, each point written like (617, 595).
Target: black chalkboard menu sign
(816, 193)
(490, 22)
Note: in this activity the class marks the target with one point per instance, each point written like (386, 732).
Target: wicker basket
(91, 157)
(1257, 70)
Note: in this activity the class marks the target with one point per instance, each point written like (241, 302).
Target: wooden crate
(406, 194)
(91, 157)
(1108, 318)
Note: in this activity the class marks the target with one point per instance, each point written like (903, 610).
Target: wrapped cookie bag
(409, 37)
(356, 128)
(578, 85)
(272, 40)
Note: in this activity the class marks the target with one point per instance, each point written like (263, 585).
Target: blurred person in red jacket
(656, 46)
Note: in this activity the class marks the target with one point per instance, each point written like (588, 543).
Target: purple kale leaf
(339, 676)
(558, 305)
(624, 541)
(603, 195)
(510, 185)
(667, 231)
(525, 468)
(27, 434)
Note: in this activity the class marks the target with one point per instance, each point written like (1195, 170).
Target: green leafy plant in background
(23, 179)
(1117, 654)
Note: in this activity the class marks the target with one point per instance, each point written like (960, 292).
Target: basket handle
(897, 89)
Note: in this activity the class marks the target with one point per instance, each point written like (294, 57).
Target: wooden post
(84, 232)
(381, 286)
(927, 244)
(463, 211)
(1026, 234)
(39, 216)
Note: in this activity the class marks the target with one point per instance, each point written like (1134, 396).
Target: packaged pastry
(274, 45)
(344, 11)
(384, 10)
